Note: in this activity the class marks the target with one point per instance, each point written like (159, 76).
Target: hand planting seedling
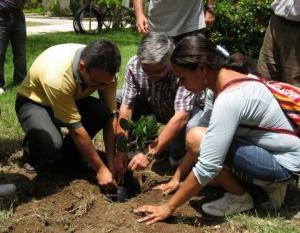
(140, 134)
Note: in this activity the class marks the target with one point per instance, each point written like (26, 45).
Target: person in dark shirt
(13, 30)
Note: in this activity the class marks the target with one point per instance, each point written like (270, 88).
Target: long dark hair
(194, 50)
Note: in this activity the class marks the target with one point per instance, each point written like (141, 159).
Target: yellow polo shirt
(53, 80)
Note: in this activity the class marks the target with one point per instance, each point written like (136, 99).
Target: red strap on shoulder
(276, 130)
(239, 80)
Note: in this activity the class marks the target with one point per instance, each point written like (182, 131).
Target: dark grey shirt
(11, 5)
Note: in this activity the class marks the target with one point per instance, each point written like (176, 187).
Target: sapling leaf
(140, 144)
(142, 132)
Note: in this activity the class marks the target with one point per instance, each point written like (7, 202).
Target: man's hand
(209, 19)
(142, 24)
(169, 187)
(120, 163)
(105, 179)
(154, 213)
(138, 162)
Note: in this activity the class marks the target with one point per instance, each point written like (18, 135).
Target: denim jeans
(177, 147)
(13, 30)
(252, 162)
(43, 140)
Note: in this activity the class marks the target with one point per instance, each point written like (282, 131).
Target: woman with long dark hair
(226, 148)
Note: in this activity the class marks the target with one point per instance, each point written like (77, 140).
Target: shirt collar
(75, 65)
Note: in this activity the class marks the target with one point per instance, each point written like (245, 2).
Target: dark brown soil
(60, 200)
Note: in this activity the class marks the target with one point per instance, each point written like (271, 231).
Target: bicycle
(94, 18)
(88, 19)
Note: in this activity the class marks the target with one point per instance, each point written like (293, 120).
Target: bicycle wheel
(89, 20)
(128, 18)
(75, 23)
(106, 14)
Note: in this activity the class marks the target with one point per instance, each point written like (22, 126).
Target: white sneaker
(276, 194)
(228, 204)
(1, 90)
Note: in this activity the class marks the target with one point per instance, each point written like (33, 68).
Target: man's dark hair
(102, 54)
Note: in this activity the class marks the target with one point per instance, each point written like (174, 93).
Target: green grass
(11, 133)
(31, 24)
(271, 224)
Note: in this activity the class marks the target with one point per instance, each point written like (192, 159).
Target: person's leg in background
(4, 39)
(269, 57)
(290, 52)
(18, 44)
(279, 57)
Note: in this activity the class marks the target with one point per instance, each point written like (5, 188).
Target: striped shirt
(165, 96)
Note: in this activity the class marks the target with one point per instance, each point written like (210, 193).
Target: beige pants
(279, 57)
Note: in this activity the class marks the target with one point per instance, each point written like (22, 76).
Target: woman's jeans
(13, 30)
(43, 140)
(252, 162)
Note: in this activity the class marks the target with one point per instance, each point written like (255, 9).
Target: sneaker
(1, 90)
(276, 194)
(29, 168)
(228, 204)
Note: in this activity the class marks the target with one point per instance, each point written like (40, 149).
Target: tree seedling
(140, 134)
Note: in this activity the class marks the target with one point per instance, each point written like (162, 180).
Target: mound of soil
(63, 200)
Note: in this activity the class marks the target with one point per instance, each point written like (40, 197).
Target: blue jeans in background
(13, 30)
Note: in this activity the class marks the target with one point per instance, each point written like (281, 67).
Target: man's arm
(86, 147)
(121, 157)
(172, 128)
(141, 20)
(109, 141)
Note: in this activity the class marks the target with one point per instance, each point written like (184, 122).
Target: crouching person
(150, 87)
(56, 93)
(227, 147)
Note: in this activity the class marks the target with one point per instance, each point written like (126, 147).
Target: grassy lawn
(31, 24)
(11, 132)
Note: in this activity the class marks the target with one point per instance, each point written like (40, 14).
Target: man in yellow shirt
(56, 93)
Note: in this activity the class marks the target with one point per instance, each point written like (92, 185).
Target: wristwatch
(150, 156)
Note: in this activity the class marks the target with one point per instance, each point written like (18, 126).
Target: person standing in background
(279, 57)
(176, 18)
(13, 30)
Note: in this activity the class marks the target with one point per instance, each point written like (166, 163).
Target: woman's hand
(169, 187)
(154, 213)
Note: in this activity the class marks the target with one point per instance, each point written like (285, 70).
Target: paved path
(51, 24)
